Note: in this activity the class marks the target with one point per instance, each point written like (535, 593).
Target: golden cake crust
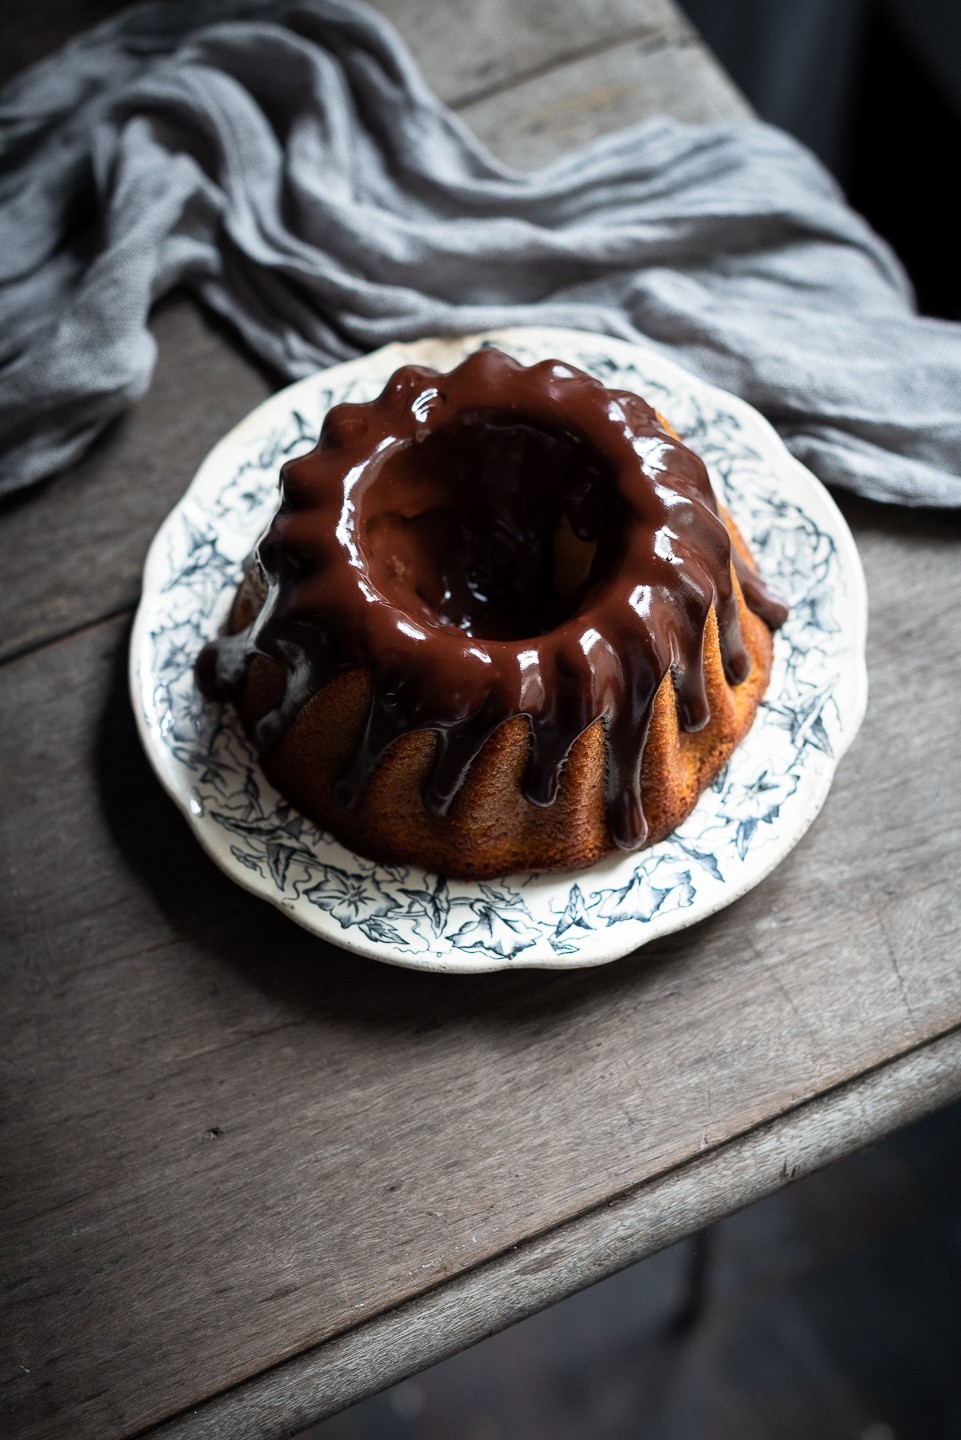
(498, 623)
(490, 828)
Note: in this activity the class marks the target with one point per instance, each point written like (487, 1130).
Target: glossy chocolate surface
(492, 542)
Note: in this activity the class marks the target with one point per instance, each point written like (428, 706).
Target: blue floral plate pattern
(752, 816)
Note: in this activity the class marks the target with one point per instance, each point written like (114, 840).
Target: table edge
(580, 1251)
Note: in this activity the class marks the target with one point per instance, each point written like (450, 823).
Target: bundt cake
(498, 623)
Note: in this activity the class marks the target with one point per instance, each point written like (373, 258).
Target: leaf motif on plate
(350, 899)
(203, 754)
(497, 930)
(434, 904)
(645, 894)
(574, 913)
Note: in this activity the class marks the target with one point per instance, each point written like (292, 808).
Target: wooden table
(250, 1178)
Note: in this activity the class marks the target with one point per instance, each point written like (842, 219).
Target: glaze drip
(493, 542)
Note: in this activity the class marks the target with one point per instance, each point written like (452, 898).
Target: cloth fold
(287, 163)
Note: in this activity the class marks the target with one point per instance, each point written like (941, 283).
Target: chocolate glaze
(493, 542)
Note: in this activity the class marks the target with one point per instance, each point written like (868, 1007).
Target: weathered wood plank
(233, 1142)
(475, 47)
(584, 1250)
(481, 48)
(237, 1148)
(551, 115)
(73, 552)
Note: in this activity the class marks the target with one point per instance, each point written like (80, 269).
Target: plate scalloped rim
(524, 921)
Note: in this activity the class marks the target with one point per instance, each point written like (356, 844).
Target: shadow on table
(310, 976)
(867, 517)
(209, 912)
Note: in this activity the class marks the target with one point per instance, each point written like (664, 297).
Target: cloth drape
(288, 164)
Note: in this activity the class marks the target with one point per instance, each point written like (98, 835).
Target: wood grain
(552, 114)
(584, 1250)
(478, 46)
(233, 1143)
(482, 48)
(72, 552)
(244, 1159)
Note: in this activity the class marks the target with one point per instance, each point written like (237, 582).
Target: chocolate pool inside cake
(493, 526)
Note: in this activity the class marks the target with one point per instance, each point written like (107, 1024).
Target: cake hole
(492, 525)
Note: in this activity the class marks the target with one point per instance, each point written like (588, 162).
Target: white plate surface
(752, 816)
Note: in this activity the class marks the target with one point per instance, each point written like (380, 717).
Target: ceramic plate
(757, 809)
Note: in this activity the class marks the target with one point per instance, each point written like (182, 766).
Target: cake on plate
(499, 622)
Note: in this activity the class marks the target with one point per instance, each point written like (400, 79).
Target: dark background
(874, 88)
(830, 1311)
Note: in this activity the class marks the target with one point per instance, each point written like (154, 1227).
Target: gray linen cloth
(288, 164)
